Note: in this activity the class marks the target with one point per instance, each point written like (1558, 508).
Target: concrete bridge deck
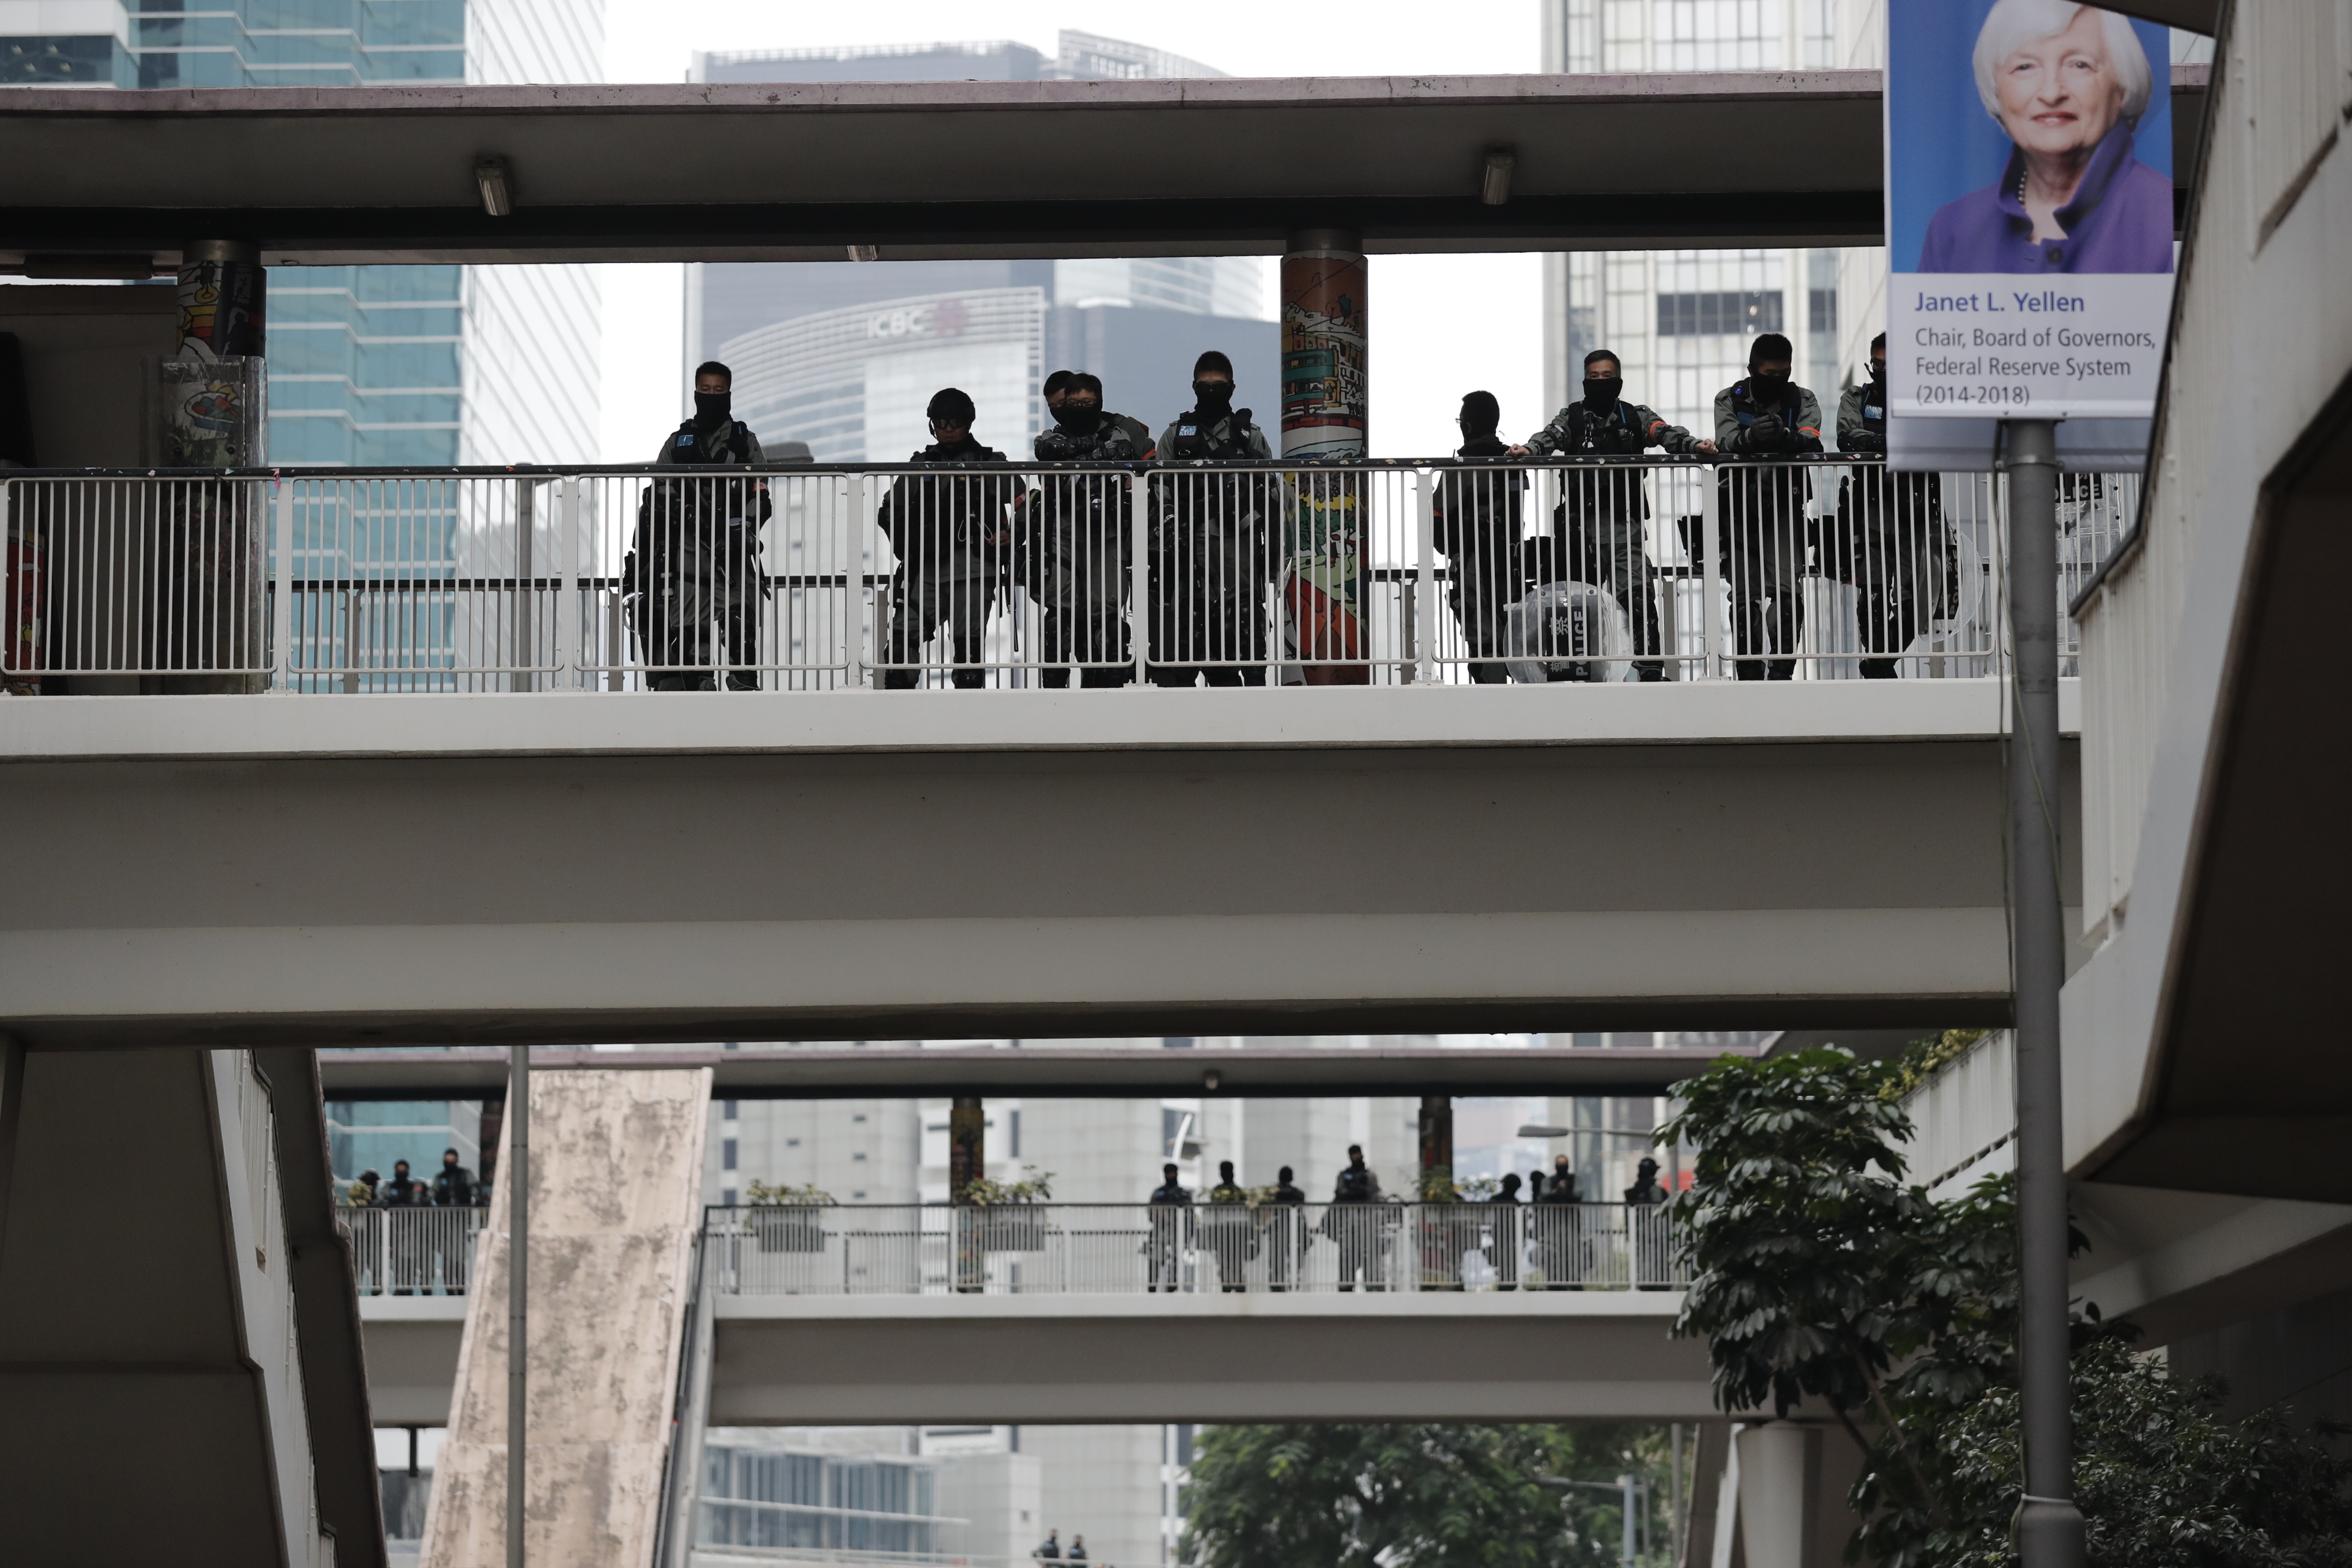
(576, 868)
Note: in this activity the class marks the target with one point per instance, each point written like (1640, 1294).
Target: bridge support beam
(614, 1195)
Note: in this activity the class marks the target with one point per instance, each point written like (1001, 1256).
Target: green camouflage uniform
(1597, 527)
(1075, 552)
(1761, 513)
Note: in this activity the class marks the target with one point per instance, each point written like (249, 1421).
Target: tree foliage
(1411, 1496)
(1818, 1272)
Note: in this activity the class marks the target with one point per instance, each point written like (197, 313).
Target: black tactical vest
(1194, 441)
(686, 447)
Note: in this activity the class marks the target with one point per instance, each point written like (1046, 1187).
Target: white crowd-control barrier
(805, 577)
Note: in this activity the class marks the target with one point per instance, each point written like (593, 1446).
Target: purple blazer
(2119, 221)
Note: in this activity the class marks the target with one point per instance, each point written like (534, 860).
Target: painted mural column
(1325, 415)
(967, 1163)
(202, 600)
(1447, 1229)
(216, 407)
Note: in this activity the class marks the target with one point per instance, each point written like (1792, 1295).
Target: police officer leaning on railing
(1599, 523)
(1210, 542)
(1761, 507)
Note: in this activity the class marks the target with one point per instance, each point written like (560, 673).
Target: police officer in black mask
(1080, 538)
(1766, 534)
(696, 556)
(1598, 526)
(950, 536)
(1475, 517)
(1891, 541)
(1211, 562)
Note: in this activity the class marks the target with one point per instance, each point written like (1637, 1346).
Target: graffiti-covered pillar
(1437, 1138)
(202, 599)
(217, 412)
(1323, 406)
(967, 1163)
(1325, 415)
(967, 1146)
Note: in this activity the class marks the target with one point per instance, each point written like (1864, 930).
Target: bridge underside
(813, 890)
(1005, 887)
(1491, 1356)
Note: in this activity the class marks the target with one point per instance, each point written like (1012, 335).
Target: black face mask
(1078, 418)
(1602, 391)
(711, 408)
(1877, 371)
(1213, 397)
(1767, 388)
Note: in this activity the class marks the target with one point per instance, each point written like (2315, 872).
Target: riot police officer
(1599, 536)
(950, 534)
(1079, 527)
(1475, 518)
(1171, 1230)
(1767, 418)
(1211, 560)
(696, 556)
(1892, 544)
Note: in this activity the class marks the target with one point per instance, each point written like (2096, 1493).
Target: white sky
(1441, 325)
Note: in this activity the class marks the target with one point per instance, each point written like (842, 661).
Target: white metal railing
(416, 1251)
(1063, 1249)
(801, 577)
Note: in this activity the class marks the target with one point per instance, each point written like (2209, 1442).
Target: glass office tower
(373, 364)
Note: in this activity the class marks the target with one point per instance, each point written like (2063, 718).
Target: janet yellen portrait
(2068, 84)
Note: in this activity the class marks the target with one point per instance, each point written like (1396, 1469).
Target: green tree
(1339, 1495)
(1818, 1272)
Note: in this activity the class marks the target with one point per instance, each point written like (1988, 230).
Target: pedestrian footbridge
(1068, 1313)
(383, 803)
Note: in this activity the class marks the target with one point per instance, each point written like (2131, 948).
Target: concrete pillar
(967, 1145)
(1325, 415)
(1436, 1137)
(218, 414)
(1323, 348)
(615, 1177)
(201, 572)
(1777, 1461)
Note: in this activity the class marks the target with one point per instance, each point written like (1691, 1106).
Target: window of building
(726, 1153)
(1744, 313)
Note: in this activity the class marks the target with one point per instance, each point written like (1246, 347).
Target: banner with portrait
(2029, 211)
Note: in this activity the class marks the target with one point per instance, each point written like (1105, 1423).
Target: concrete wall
(615, 1175)
(149, 1374)
(1001, 1497)
(86, 348)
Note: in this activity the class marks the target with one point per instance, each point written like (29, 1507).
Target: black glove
(1867, 441)
(1768, 433)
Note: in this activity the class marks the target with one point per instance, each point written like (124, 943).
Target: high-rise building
(375, 366)
(844, 355)
(1681, 320)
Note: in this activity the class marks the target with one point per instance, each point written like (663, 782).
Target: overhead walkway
(1044, 1070)
(780, 171)
(552, 853)
(1122, 1312)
